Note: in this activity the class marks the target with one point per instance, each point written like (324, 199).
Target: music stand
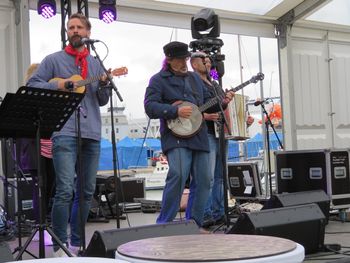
(37, 113)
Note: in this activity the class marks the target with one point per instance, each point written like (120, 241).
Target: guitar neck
(84, 82)
(214, 101)
(241, 86)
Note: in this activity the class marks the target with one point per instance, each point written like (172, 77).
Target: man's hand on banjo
(184, 111)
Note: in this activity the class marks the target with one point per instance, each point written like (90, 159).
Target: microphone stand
(222, 146)
(267, 124)
(116, 175)
(80, 175)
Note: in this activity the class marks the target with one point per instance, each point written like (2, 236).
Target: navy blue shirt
(163, 90)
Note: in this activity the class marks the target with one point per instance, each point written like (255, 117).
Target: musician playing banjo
(214, 212)
(174, 95)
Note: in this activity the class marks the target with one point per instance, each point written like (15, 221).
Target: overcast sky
(139, 48)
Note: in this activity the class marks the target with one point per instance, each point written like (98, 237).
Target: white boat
(154, 179)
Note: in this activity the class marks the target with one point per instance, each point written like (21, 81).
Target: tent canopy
(131, 152)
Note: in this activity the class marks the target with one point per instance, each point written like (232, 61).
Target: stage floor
(337, 232)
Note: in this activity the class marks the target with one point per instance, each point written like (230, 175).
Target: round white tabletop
(212, 248)
(70, 260)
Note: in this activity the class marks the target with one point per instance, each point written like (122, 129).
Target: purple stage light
(214, 74)
(47, 8)
(107, 11)
(108, 16)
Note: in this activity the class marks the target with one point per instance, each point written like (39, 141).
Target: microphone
(85, 40)
(259, 102)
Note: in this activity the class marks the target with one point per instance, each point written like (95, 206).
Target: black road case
(326, 169)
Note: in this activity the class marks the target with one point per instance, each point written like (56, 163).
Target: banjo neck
(214, 101)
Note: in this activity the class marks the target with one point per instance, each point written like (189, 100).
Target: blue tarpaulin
(255, 144)
(130, 152)
(233, 151)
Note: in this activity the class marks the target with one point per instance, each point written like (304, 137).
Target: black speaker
(131, 187)
(105, 243)
(304, 224)
(25, 189)
(5, 253)
(299, 198)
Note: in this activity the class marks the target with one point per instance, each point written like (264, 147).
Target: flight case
(326, 169)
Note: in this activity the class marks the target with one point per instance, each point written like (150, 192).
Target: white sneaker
(74, 250)
(61, 254)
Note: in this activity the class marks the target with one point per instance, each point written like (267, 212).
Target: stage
(337, 232)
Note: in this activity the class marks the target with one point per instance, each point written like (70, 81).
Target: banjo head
(183, 127)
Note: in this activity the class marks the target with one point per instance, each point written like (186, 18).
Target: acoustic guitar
(188, 127)
(79, 82)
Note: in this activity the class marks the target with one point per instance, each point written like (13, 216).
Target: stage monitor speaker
(304, 224)
(105, 243)
(318, 197)
(5, 252)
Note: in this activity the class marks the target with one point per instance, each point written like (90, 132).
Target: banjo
(188, 127)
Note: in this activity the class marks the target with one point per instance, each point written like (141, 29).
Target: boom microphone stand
(267, 124)
(114, 145)
(81, 180)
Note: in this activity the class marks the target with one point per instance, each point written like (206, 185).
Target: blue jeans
(182, 163)
(215, 205)
(65, 160)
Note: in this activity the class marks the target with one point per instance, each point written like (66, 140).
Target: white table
(70, 260)
(212, 248)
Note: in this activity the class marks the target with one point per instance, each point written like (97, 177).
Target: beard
(75, 41)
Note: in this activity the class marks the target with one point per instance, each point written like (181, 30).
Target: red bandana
(80, 59)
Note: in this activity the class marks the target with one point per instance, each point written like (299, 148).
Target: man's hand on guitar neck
(228, 96)
(104, 79)
(65, 84)
(184, 112)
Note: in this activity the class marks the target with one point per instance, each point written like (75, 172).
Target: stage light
(107, 11)
(202, 22)
(47, 8)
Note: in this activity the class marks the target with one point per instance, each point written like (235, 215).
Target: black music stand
(37, 113)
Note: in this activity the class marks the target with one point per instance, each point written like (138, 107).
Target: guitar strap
(194, 92)
(219, 90)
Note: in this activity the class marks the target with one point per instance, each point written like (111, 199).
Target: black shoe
(220, 220)
(208, 223)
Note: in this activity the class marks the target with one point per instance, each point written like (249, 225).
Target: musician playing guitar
(74, 60)
(214, 211)
(173, 94)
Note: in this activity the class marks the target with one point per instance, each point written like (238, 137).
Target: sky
(140, 49)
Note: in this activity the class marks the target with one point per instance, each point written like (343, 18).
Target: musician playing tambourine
(214, 212)
(178, 98)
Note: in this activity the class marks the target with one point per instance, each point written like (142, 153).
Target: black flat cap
(176, 49)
